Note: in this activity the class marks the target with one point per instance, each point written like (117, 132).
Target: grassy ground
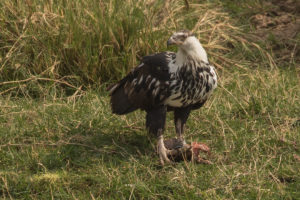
(59, 140)
(74, 148)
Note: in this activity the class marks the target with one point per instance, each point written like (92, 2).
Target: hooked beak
(171, 41)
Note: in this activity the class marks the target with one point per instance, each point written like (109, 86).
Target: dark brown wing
(145, 87)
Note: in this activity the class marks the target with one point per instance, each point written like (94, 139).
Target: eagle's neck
(191, 49)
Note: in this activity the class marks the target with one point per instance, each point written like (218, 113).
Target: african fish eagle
(167, 81)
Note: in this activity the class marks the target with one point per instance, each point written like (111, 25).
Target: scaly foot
(162, 151)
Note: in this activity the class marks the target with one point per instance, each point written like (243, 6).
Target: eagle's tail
(119, 101)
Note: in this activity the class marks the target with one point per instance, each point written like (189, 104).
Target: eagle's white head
(188, 45)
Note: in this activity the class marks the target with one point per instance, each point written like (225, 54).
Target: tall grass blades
(45, 44)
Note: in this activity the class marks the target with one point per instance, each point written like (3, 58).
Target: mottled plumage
(167, 81)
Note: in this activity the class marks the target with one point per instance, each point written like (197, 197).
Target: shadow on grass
(97, 145)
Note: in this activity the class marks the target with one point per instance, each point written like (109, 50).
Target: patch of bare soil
(283, 23)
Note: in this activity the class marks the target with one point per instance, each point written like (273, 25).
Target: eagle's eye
(182, 37)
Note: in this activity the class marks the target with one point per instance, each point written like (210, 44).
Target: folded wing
(145, 87)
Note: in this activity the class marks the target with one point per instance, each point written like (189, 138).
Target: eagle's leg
(162, 150)
(155, 123)
(180, 117)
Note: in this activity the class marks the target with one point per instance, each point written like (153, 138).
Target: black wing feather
(145, 87)
(158, 64)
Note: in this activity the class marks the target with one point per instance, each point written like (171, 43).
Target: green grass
(59, 140)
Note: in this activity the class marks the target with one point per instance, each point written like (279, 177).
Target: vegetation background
(59, 140)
